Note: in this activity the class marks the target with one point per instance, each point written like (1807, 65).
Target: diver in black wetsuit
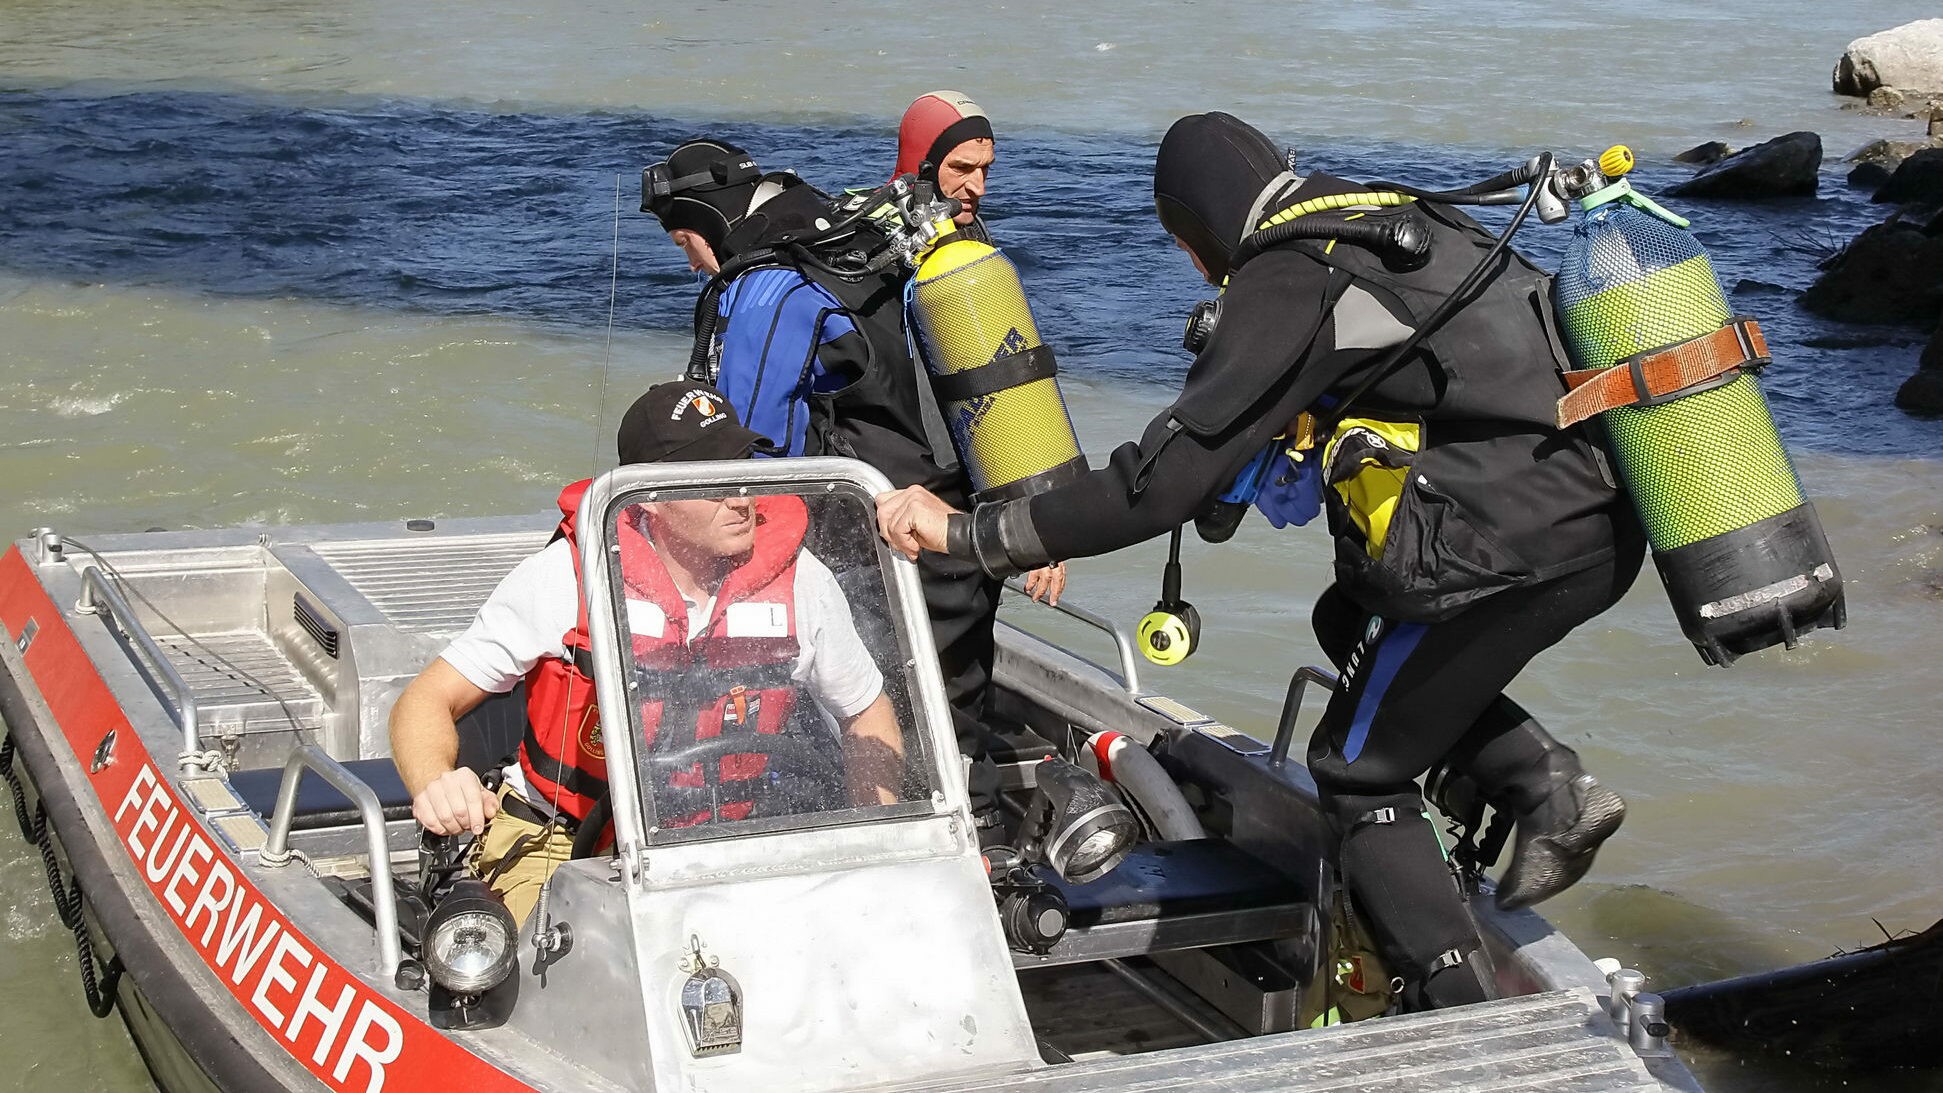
(1503, 535)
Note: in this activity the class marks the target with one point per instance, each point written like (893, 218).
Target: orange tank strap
(1661, 375)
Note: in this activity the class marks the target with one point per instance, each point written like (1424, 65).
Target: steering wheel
(797, 777)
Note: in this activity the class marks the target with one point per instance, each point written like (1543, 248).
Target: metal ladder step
(230, 673)
(1557, 1042)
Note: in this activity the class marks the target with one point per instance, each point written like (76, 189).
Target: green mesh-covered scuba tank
(1741, 552)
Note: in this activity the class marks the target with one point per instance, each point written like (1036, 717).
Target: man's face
(716, 528)
(701, 256)
(962, 175)
(1194, 258)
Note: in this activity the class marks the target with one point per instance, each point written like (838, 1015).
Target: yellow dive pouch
(1367, 463)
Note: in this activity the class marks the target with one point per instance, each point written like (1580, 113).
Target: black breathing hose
(1401, 243)
(1537, 170)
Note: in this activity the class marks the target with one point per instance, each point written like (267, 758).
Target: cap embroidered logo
(704, 404)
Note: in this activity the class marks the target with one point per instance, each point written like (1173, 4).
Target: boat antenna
(607, 357)
(545, 939)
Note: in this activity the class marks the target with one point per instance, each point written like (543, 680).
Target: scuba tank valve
(1170, 632)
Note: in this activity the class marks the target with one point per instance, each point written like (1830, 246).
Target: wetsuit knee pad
(1393, 866)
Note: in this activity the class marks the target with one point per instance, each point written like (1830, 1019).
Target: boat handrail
(1278, 754)
(98, 591)
(276, 848)
(1122, 640)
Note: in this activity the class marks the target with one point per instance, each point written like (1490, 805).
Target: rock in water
(1918, 180)
(1878, 159)
(1787, 166)
(1922, 393)
(1909, 57)
(1891, 273)
(1703, 154)
(1868, 176)
(1888, 153)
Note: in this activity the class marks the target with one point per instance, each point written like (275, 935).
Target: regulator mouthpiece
(1169, 633)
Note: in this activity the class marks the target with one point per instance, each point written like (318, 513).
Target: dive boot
(1557, 839)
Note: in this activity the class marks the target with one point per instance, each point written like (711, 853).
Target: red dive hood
(934, 125)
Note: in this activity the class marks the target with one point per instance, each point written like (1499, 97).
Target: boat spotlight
(471, 940)
(1075, 824)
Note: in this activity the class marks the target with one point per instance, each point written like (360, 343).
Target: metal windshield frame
(629, 485)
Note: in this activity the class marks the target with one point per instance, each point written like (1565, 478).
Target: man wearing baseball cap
(694, 572)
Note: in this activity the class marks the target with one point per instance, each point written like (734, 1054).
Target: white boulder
(1908, 58)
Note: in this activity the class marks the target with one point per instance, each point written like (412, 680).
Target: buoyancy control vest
(1451, 480)
(885, 414)
(730, 675)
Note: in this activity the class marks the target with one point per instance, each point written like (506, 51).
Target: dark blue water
(446, 211)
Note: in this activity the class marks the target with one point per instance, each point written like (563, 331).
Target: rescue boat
(196, 739)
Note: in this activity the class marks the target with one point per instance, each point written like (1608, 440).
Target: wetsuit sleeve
(1270, 313)
(778, 325)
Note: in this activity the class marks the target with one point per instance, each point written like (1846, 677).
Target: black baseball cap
(681, 422)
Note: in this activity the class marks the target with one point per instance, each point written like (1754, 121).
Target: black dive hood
(1210, 171)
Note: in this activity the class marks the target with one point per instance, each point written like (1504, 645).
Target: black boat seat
(489, 737)
(319, 804)
(1162, 880)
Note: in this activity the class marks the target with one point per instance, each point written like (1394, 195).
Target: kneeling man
(729, 619)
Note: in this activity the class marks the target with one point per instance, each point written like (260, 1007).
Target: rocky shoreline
(1892, 273)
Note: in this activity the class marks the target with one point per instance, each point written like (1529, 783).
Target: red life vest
(735, 671)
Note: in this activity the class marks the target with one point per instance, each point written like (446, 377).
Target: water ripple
(449, 211)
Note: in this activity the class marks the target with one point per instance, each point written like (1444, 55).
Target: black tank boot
(1422, 924)
(1563, 813)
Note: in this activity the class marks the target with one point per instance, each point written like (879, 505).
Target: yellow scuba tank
(995, 381)
(1670, 369)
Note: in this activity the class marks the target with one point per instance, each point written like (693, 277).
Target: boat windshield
(772, 675)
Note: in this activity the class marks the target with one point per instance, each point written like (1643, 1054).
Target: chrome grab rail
(97, 591)
(1292, 708)
(276, 848)
(1122, 641)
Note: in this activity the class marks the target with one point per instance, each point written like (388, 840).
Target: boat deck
(258, 649)
(1558, 1041)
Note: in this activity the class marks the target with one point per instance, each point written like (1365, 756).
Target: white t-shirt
(526, 617)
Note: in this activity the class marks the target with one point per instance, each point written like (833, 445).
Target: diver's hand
(913, 519)
(1045, 584)
(455, 802)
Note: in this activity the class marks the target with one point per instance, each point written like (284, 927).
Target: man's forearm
(873, 755)
(424, 738)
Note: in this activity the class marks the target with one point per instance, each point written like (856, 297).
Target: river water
(266, 264)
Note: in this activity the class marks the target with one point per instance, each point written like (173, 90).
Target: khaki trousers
(516, 856)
